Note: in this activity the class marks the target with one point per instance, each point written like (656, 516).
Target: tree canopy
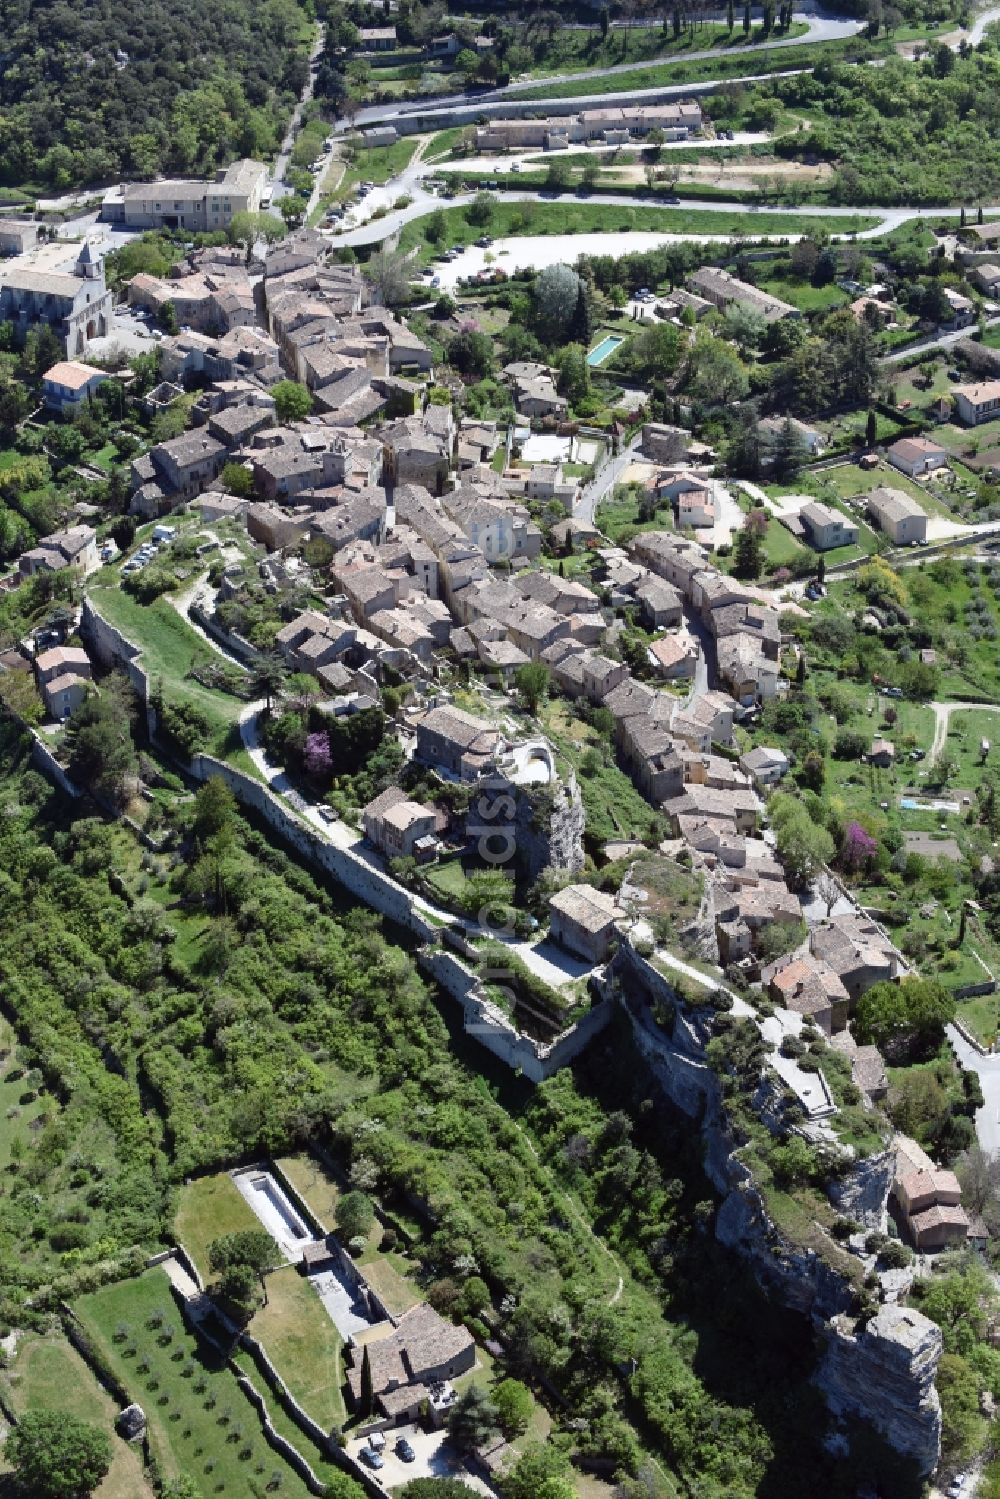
(55, 1456)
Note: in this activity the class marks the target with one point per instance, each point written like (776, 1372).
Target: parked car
(405, 1452)
(372, 1459)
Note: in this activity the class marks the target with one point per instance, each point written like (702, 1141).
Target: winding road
(820, 27)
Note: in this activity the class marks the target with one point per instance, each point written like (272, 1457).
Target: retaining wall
(970, 991)
(370, 884)
(231, 641)
(513, 108)
(488, 1024)
(112, 648)
(44, 760)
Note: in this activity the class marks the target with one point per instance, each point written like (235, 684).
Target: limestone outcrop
(883, 1372)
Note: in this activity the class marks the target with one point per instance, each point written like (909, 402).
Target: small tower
(89, 265)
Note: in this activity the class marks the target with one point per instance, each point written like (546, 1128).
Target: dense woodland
(184, 1010)
(90, 93)
(904, 133)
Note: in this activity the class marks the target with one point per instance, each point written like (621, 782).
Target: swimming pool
(604, 350)
(933, 804)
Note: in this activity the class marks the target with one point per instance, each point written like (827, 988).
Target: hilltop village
(629, 720)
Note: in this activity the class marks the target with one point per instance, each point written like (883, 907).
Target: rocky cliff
(883, 1372)
(549, 823)
(899, 1349)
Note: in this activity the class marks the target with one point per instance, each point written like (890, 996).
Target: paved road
(937, 340)
(604, 481)
(988, 1072)
(279, 188)
(821, 28)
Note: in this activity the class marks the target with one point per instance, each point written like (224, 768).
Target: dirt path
(580, 1219)
(942, 718)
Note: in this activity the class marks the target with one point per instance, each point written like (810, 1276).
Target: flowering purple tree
(858, 849)
(316, 756)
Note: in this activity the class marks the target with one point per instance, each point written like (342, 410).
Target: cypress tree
(367, 1387)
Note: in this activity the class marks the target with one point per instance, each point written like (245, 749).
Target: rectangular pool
(604, 350)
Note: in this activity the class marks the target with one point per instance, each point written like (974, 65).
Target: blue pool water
(604, 350)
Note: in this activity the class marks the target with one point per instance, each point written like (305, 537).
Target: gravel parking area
(435, 1458)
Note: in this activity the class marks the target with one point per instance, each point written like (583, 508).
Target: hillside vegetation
(201, 84)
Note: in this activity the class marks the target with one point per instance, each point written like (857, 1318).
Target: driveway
(988, 1072)
(436, 1458)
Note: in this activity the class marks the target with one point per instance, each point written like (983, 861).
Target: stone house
(928, 1199)
(453, 741)
(858, 951)
(584, 920)
(765, 766)
(674, 657)
(422, 1350)
(898, 515)
(182, 467)
(399, 827)
(275, 528)
(659, 602)
(63, 675)
(725, 290)
(805, 984)
(75, 547)
(207, 207)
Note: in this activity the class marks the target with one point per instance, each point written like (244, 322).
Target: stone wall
(356, 874)
(491, 1027)
(44, 760)
(231, 641)
(110, 648)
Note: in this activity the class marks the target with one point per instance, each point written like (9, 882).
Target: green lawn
(804, 295)
(374, 164)
(444, 142)
(966, 730)
(207, 1208)
(48, 1374)
(200, 1422)
(170, 648)
(317, 1188)
(569, 217)
(303, 1344)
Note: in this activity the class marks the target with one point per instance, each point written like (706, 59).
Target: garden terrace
(200, 1421)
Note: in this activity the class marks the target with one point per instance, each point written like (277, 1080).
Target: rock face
(863, 1192)
(131, 1423)
(548, 824)
(883, 1372)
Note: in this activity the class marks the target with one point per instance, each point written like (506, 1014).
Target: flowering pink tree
(316, 756)
(858, 849)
